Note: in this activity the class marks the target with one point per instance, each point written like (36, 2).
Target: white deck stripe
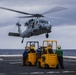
(50, 72)
(68, 71)
(72, 57)
(37, 73)
(53, 72)
(15, 62)
(10, 55)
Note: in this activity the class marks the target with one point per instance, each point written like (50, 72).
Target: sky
(63, 22)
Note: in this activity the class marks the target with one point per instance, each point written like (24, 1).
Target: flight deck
(13, 66)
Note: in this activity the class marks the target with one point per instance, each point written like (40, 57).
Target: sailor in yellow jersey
(32, 48)
(49, 48)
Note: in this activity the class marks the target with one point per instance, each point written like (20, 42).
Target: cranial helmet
(32, 44)
(59, 47)
(49, 45)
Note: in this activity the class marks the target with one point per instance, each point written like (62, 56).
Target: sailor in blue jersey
(25, 55)
(38, 53)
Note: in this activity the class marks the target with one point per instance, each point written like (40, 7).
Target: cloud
(65, 36)
(40, 6)
(64, 25)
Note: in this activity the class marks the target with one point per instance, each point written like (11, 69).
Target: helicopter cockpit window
(42, 21)
(30, 20)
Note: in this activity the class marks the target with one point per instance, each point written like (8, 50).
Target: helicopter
(34, 26)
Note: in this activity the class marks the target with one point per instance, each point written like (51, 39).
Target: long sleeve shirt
(59, 52)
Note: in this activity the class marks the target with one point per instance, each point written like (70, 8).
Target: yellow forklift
(48, 57)
(31, 58)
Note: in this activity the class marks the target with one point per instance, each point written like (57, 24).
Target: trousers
(60, 59)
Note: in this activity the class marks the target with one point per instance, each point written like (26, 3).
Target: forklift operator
(33, 46)
(33, 49)
(50, 48)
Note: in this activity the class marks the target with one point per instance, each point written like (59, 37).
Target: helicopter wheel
(22, 40)
(47, 35)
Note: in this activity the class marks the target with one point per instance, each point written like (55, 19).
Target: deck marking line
(15, 62)
(53, 72)
(68, 71)
(37, 73)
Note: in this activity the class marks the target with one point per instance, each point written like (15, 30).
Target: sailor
(50, 48)
(25, 55)
(38, 53)
(32, 48)
(59, 53)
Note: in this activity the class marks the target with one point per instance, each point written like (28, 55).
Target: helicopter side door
(29, 30)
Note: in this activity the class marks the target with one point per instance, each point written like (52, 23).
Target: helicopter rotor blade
(55, 9)
(15, 11)
(25, 16)
(55, 18)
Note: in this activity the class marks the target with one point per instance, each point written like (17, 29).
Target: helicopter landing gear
(47, 35)
(22, 40)
(31, 34)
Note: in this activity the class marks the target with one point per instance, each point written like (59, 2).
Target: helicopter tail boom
(13, 34)
(19, 29)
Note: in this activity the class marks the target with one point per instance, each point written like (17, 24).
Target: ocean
(66, 52)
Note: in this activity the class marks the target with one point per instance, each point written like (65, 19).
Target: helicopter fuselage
(36, 27)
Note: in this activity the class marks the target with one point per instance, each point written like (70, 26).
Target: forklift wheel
(29, 63)
(47, 35)
(46, 66)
